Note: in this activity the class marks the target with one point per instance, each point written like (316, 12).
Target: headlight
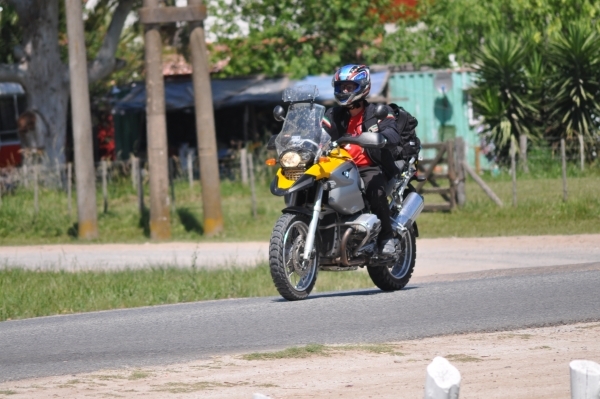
(290, 159)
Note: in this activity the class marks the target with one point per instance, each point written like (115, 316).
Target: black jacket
(336, 123)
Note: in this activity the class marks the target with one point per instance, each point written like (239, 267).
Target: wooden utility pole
(82, 123)
(205, 130)
(195, 12)
(160, 217)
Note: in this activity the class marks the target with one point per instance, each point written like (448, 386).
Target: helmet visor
(346, 87)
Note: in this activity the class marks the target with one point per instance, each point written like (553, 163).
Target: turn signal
(271, 162)
(324, 159)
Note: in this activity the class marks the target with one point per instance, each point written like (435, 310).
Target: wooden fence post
(190, 169)
(104, 185)
(451, 173)
(461, 195)
(581, 152)
(443, 380)
(253, 193)
(69, 188)
(244, 165)
(140, 185)
(36, 206)
(564, 168)
(513, 169)
(585, 379)
(134, 172)
(25, 172)
(172, 182)
(482, 184)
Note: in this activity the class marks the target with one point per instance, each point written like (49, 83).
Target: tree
(297, 37)
(503, 94)
(39, 62)
(575, 58)
(457, 27)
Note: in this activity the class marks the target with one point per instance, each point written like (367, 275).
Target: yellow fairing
(321, 170)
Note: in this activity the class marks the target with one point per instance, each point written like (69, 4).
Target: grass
(311, 350)
(540, 211)
(26, 293)
(123, 222)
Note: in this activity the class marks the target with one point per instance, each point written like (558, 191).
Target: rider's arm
(389, 130)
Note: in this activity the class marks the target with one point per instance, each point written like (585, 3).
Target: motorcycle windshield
(302, 129)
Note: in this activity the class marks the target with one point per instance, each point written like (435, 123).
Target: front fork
(312, 228)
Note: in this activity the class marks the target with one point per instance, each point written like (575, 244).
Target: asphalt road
(175, 333)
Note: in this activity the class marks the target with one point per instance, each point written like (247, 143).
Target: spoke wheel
(397, 275)
(293, 277)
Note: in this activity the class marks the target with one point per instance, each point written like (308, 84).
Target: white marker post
(585, 379)
(443, 380)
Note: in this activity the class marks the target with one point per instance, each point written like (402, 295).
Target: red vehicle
(12, 103)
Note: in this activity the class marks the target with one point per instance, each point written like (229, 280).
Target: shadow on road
(362, 292)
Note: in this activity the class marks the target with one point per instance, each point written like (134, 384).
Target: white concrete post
(585, 379)
(443, 380)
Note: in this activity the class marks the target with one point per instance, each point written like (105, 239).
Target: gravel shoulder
(529, 363)
(434, 256)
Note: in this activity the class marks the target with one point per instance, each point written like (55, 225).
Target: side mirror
(381, 112)
(279, 113)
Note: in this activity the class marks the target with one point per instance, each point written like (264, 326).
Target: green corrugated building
(439, 100)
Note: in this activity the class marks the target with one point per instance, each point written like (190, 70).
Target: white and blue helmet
(358, 74)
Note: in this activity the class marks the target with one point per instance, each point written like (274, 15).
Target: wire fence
(246, 167)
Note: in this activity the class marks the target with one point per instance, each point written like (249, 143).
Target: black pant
(375, 182)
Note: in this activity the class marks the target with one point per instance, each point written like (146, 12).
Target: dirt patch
(531, 363)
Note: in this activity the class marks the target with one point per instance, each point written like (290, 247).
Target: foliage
(297, 38)
(503, 96)
(575, 91)
(10, 33)
(459, 26)
(130, 52)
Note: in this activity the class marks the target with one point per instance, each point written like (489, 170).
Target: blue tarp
(236, 92)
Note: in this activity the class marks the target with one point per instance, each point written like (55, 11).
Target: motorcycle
(326, 224)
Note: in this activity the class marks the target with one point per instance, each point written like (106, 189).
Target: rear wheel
(396, 276)
(293, 277)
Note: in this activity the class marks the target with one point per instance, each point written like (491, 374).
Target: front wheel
(294, 277)
(396, 276)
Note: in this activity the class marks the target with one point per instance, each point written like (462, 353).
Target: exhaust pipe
(411, 208)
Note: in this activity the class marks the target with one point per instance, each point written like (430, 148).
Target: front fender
(303, 183)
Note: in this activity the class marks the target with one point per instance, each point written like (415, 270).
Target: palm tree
(575, 57)
(503, 95)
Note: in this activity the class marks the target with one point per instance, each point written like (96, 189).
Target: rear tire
(293, 279)
(396, 276)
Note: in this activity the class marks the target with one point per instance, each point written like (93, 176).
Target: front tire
(293, 278)
(396, 276)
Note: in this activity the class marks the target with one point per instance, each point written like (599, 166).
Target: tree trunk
(42, 72)
(45, 83)
(523, 153)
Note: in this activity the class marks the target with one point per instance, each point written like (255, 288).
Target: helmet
(357, 74)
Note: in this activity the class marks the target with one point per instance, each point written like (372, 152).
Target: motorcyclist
(353, 116)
